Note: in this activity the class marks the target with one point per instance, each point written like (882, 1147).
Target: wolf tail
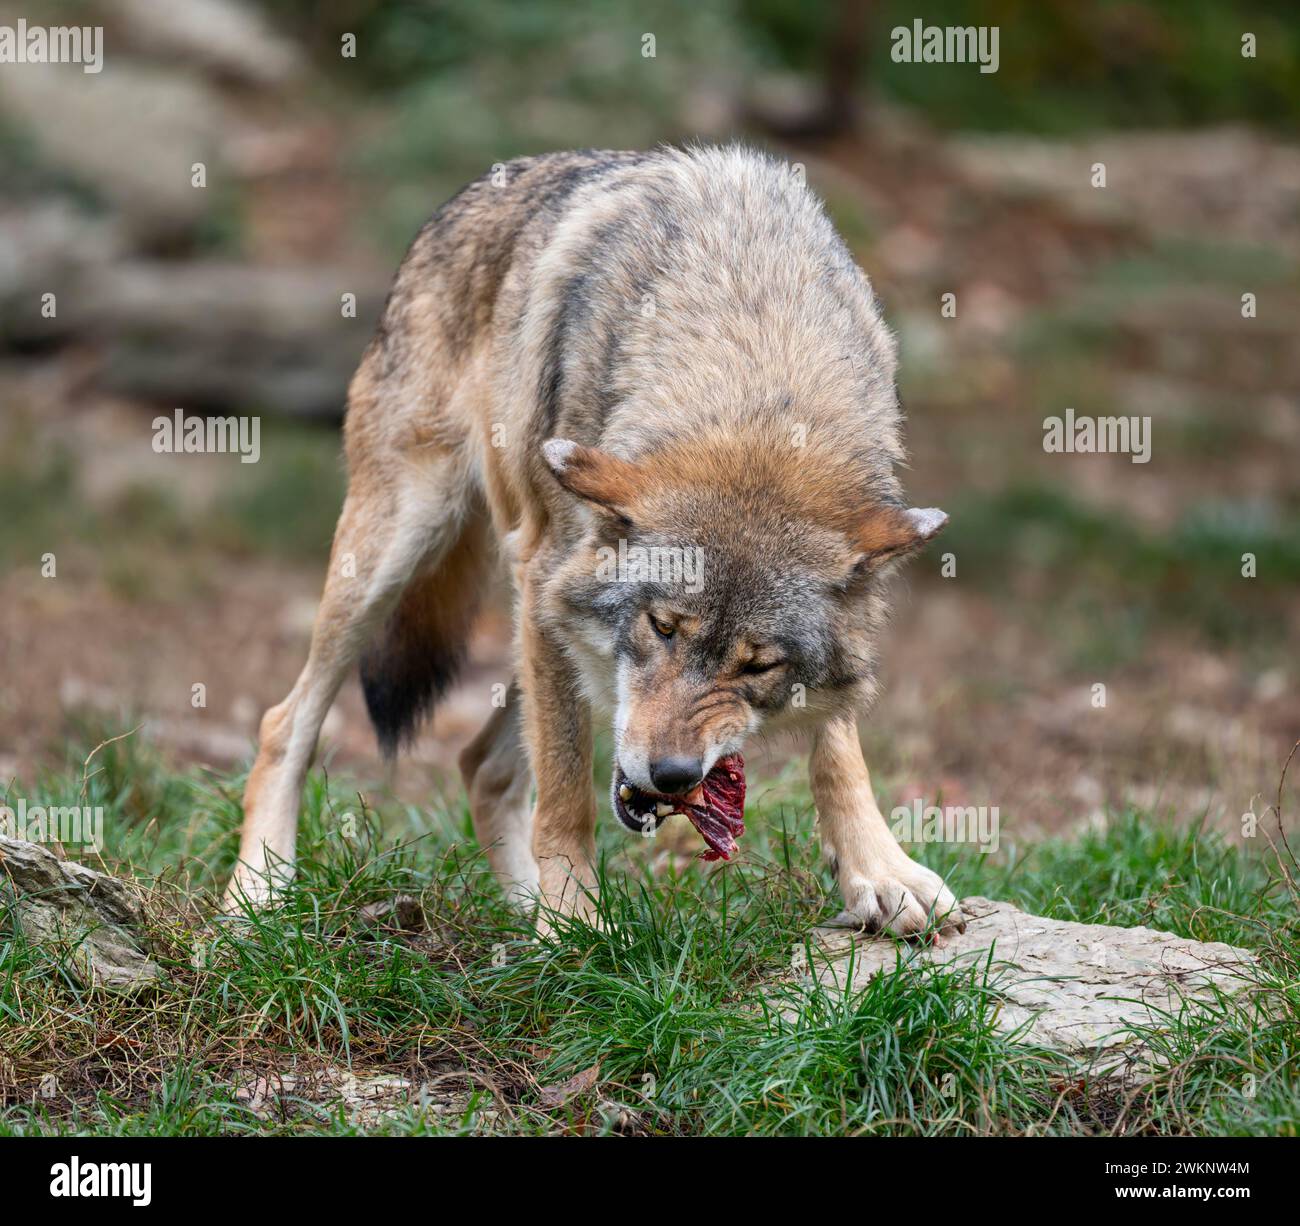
(417, 655)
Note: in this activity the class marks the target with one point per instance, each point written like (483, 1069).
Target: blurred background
(1072, 571)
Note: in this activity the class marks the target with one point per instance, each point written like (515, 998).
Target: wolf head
(736, 584)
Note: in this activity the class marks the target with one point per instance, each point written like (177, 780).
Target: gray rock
(366, 1099)
(131, 134)
(48, 248)
(1161, 182)
(60, 902)
(1075, 988)
(203, 333)
(402, 913)
(226, 38)
(216, 333)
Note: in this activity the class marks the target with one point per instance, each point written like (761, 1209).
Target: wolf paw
(252, 891)
(902, 898)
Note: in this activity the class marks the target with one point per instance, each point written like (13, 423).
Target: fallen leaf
(579, 1083)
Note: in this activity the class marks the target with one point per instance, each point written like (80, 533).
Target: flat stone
(62, 903)
(132, 133)
(1075, 988)
(227, 39)
(366, 1099)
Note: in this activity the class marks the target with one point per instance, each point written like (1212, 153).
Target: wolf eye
(663, 629)
(754, 668)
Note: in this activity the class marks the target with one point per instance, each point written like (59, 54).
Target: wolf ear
(595, 475)
(894, 532)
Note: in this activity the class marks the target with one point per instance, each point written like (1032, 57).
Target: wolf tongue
(716, 808)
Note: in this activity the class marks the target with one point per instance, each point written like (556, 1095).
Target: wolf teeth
(663, 808)
(625, 792)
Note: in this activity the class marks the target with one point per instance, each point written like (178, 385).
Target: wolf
(598, 354)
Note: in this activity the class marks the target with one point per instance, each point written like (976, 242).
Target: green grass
(669, 999)
(1113, 582)
(1183, 261)
(285, 505)
(282, 507)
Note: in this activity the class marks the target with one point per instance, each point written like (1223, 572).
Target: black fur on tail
(403, 681)
(415, 658)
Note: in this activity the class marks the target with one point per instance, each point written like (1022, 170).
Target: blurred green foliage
(460, 84)
(283, 507)
(1064, 65)
(1124, 582)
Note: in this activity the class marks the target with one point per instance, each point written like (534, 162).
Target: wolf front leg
(884, 889)
(557, 725)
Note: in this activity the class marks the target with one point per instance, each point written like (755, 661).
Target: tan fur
(558, 729)
(494, 766)
(713, 367)
(883, 888)
(679, 715)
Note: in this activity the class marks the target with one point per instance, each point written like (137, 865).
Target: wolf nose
(675, 774)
